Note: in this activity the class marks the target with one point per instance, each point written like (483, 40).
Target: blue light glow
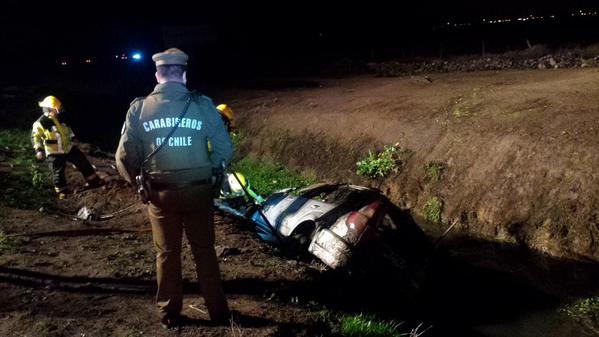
(136, 56)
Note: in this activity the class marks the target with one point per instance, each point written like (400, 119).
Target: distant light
(136, 57)
(88, 61)
(63, 63)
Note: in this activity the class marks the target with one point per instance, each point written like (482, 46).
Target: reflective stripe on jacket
(51, 135)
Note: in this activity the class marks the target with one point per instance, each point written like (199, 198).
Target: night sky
(310, 30)
(246, 43)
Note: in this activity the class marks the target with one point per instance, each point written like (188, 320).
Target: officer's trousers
(190, 209)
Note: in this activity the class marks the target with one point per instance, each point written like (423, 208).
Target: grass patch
(458, 111)
(238, 138)
(367, 326)
(433, 171)
(26, 182)
(135, 334)
(267, 177)
(47, 329)
(278, 140)
(432, 210)
(461, 107)
(584, 311)
(465, 106)
(8, 244)
(380, 164)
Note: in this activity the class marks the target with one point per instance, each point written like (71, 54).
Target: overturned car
(336, 223)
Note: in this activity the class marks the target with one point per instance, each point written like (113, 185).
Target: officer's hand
(39, 155)
(218, 176)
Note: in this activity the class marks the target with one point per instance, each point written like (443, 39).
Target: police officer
(52, 138)
(180, 176)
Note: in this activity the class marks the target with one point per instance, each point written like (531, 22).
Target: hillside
(518, 149)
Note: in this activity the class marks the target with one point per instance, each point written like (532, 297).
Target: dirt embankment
(519, 149)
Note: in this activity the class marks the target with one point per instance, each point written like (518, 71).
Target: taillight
(357, 221)
(369, 210)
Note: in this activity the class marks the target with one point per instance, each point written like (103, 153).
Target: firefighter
(226, 113)
(53, 139)
(169, 130)
(237, 186)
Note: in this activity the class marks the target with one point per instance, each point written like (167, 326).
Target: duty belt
(176, 186)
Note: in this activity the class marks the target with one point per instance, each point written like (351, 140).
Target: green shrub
(47, 329)
(15, 140)
(432, 210)
(584, 311)
(237, 138)
(378, 165)
(37, 177)
(9, 244)
(26, 184)
(433, 171)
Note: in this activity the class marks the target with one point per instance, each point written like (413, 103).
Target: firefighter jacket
(184, 156)
(51, 135)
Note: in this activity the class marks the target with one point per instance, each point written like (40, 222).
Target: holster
(144, 188)
(218, 178)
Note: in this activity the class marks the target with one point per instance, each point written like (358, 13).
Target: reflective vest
(51, 135)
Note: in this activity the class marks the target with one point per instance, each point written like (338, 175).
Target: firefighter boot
(60, 193)
(94, 182)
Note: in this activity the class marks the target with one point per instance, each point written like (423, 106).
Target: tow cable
(89, 217)
(89, 214)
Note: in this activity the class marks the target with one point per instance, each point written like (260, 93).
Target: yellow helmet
(51, 102)
(231, 186)
(234, 182)
(226, 112)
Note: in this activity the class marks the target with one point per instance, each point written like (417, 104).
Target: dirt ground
(78, 278)
(519, 182)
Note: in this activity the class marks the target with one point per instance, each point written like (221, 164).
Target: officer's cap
(171, 56)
